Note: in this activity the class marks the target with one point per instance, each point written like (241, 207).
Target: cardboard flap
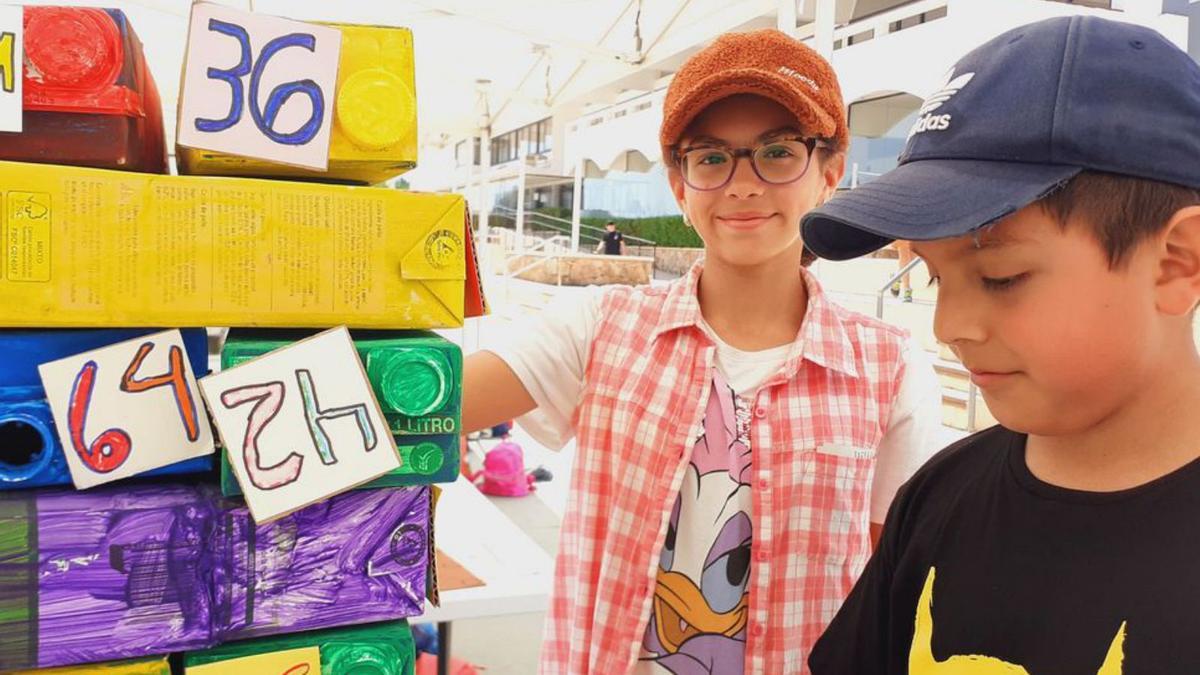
(476, 302)
(441, 253)
(432, 592)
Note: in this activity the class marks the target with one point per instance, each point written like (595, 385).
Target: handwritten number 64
(264, 119)
(112, 447)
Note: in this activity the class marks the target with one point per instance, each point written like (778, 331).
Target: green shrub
(662, 230)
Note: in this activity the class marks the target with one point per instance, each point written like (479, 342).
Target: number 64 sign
(127, 408)
(258, 86)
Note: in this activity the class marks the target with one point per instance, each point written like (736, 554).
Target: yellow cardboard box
(156, 666)
(88, 247)
(374, 135)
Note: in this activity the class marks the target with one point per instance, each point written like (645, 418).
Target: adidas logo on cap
(927, 121)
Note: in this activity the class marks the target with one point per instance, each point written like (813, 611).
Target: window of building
(531, 139)
(917, 19)
(878, 131)
(859, 38)
(460, 153)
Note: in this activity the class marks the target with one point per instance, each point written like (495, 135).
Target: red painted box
(89, 97)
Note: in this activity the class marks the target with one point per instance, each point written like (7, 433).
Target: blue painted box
(30, 452)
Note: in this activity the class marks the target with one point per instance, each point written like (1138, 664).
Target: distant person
(613, 242)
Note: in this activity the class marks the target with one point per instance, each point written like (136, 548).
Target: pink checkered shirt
(815, 426)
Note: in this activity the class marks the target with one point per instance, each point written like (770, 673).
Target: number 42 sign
(300, 424)
(258, 86)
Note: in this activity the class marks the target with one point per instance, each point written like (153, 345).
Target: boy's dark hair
(1122, 211)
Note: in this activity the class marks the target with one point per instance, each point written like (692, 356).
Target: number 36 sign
(258, 86)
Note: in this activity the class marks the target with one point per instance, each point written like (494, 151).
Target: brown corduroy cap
(767, 63)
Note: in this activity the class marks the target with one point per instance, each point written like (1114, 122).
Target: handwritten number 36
(264, 119)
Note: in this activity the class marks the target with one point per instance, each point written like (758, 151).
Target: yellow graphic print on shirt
(922, 662)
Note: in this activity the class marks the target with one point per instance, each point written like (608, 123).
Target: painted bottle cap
(27, 445)
(411, 382)
(72, 47)
(375, 108)
(361, 659)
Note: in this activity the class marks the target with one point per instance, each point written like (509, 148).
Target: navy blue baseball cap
(1016, 118)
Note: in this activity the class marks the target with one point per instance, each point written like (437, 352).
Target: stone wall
(668, 259)
(584, 269)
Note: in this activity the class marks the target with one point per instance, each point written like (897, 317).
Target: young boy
(1052, 191)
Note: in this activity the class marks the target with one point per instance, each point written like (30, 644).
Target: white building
(597, 125)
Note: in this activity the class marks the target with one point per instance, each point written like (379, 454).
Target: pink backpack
(504, 472)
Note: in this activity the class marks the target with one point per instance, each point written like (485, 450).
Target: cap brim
(926, 199)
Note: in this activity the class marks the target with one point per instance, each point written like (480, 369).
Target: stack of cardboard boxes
(102, 250)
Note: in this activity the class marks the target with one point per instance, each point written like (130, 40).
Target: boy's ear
(1178, 283)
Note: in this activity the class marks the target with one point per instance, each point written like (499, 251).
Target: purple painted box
(130, 571)
(103, 575)
(358, 557)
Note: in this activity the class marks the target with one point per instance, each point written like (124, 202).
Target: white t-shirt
(549, 351)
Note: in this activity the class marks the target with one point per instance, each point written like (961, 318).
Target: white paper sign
(12, 58)
(300, 424)
(258, 86)
(127, 408)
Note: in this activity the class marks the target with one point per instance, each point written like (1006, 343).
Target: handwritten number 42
(264, 119)
(112, 447)
(267, 399)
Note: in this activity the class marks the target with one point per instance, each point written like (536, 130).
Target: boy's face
(749, 221)
(1054, 338)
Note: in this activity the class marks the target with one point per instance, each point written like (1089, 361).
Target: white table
(516, 571)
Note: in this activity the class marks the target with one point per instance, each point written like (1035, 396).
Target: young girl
(737, 434)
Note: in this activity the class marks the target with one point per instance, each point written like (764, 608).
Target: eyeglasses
(776, 162)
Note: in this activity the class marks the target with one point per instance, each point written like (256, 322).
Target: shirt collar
(822, 339)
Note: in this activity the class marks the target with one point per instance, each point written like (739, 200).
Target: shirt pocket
(830, 508)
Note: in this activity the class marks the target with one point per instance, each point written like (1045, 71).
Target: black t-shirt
(1030, 578)
(612, 243)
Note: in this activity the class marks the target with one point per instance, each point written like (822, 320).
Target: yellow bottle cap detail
(375, 108)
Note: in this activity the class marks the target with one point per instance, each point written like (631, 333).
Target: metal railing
(557, 241)
(591, 233)
(894, 279)
(972, 390)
